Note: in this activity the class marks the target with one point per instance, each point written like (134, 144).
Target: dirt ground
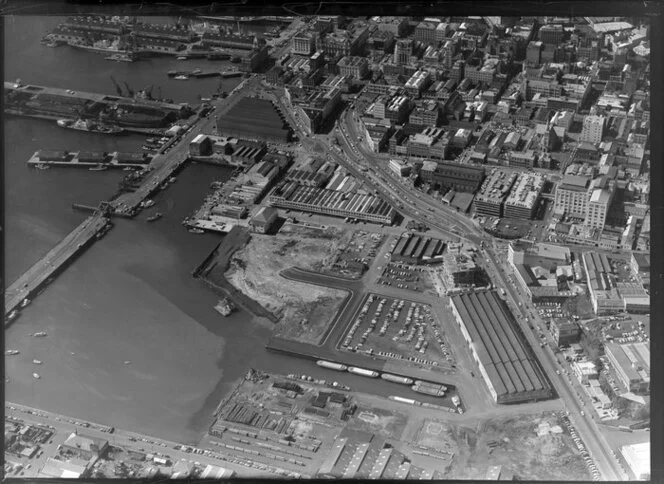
(379, 421)
(508, 442)
(304, 310)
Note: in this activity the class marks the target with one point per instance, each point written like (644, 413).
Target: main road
(417, 206)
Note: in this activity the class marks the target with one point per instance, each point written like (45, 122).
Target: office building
(593, 129)
(403, 50)
(524, 197)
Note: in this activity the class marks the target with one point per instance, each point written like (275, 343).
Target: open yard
(512, 443)
(304, 310)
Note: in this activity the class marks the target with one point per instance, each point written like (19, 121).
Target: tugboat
(155, 217)
(225, 307)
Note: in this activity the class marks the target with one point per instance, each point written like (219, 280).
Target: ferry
(40, 334)
(155, 217)
(36, 375)
(25, 302)
(89, 126)
(37, 362)
(225, 307)
(12, 352)
(98, 167)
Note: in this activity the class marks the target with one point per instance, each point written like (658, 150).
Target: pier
(72, 159)
(53, 261)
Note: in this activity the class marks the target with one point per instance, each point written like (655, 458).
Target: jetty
(82, 159)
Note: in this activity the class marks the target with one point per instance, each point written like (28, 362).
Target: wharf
(53, 261)
(109, 160)
(35, 90)
(214, 226)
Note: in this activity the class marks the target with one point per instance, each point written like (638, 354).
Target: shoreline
(212, 272)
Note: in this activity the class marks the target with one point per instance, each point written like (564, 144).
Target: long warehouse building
(506, 363)
(294, 196)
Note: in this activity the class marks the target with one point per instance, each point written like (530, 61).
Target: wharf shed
(253, 118)
(506, 363)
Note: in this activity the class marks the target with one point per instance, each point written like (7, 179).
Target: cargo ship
(89, 126)
(363, 372)
(397, 379)
(225, 307)
(429, 384)
(332, 366)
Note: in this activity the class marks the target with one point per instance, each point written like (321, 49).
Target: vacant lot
(304, 310)
(511, 443)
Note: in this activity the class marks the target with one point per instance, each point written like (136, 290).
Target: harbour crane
(130, 91)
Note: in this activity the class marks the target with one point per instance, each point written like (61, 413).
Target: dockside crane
(130, 91)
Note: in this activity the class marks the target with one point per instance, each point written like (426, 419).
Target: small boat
(181, 77)
(40, 334)
(225, 307)
(172, 179)
(127, 168)
(12, 315)
(42, 166)
(182, 57)
(36, 375)
(127, 362)
(99, 167)
(196, 231)
(37, 362)
(25, 302)
(147, 203)
(154, 217)
(72, 353)
(12, 352)
(152, 140)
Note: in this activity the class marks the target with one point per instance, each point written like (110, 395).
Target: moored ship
(89, 126)
(363, 372)
(225, 307)
(332, 366)
(12, 352)
(397, 379)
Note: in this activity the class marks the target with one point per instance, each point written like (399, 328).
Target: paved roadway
(120, 438)
(52, 261)
(444, 217)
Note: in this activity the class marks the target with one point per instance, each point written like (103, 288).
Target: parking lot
(590, 465)
(399, 329)
(407, 277)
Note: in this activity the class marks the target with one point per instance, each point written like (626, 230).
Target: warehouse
(253, 119)
(295, 196)
(489, 201)
(506, 363)
(414, 249)
(630, 363)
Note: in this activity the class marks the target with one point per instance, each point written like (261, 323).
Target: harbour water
(131, 295)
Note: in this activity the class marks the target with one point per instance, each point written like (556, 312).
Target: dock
(196, 73)
(72, 159)
(53, 261)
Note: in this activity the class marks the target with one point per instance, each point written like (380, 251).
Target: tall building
(593, 129)
(571, 195)
(552, 34)
(598, 207)
(403, 49)
(304, 43)
(534, 53)
(425, 32)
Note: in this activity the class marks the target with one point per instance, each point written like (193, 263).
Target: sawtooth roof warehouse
(506, 363)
